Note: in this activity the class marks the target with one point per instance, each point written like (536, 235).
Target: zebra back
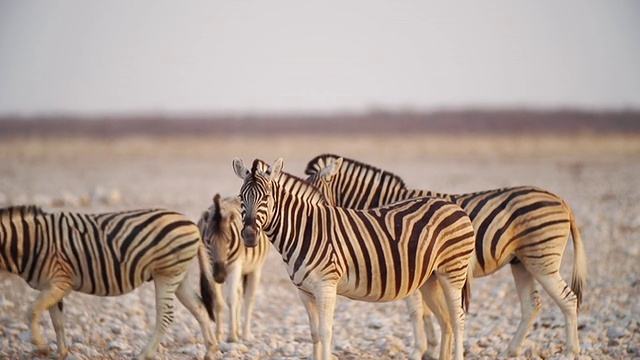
(348, 183)
(100, 254)
(509, 221)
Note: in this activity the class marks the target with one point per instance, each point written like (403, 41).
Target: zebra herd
(347, 229)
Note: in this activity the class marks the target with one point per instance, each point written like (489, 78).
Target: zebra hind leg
(435, 299)
(529, 305)
(561, 293)
(414, 305)
(165, 290)
(57, 319)
(430, 330)
(45, 300)
(453, 294)
(190, 299)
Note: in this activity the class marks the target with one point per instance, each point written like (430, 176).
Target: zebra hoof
(430, 354)
(43, 349)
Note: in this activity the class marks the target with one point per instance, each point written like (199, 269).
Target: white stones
(97, 196)
(4, 303)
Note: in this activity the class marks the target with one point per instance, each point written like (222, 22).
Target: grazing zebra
(524, 226)
(375, 255)
(106, 254)
(220, 226)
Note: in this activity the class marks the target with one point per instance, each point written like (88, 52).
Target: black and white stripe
(524, 226)
(376, 255)
(106, 254)
(238, 265)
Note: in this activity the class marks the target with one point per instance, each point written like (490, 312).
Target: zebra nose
(219, 272)
(249, 236)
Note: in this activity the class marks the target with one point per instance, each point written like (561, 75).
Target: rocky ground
(598, 176)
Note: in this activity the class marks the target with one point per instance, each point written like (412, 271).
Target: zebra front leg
(233, 288)
(326, 300)
(253, 280)
(529, 305)
(309, 302)
(57, 319)
(165, 290)
(45, 300)
(414, 305)
(190, 299)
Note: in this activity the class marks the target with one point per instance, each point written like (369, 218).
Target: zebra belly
(374, 293)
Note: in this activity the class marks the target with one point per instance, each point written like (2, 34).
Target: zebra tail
(579, 277)
(466, 292)
(206, 279)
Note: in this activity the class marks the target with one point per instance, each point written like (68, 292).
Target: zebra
(526, 227)
(375, 255)
(106, 254)
(220, 226)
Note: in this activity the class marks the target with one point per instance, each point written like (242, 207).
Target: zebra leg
(433, 296)
(190, 299)
(529, 305)
(432, 339)
(57, 319)
(414, 305)
(165, 289)
(453, 296)
(45, 300)
(233, 288)
(220, 307)
(309, 302)
(326, 300)
(561, 293)
(249, 300)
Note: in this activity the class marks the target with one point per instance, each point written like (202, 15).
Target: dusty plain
(599, 177)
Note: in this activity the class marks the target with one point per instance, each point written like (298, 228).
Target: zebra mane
(217, 217)
(316, 164)
(23, 209)
(292, 183)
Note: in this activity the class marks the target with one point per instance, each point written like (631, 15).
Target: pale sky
(279, 56)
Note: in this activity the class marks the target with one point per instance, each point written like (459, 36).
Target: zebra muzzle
(219, 272)
(249, 236)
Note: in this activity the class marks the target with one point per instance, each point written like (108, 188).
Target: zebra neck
(289, 222)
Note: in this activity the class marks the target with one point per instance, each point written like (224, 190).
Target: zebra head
(322, 173)
(256, 197)
(217, 233)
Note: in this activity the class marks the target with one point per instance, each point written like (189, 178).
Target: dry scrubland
(598, 176)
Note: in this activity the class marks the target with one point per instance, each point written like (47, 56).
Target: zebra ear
(275, 169)
(330, 170)
(238, 167)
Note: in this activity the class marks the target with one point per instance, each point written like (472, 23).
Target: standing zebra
(220, 226)
(524, 226)
(106, 254)
(375, 255)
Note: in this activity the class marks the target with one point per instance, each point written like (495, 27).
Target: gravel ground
(597, 176)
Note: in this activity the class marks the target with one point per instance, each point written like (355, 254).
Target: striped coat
(240, 266)
(383, 254)
(105, 254)
(526, 227)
